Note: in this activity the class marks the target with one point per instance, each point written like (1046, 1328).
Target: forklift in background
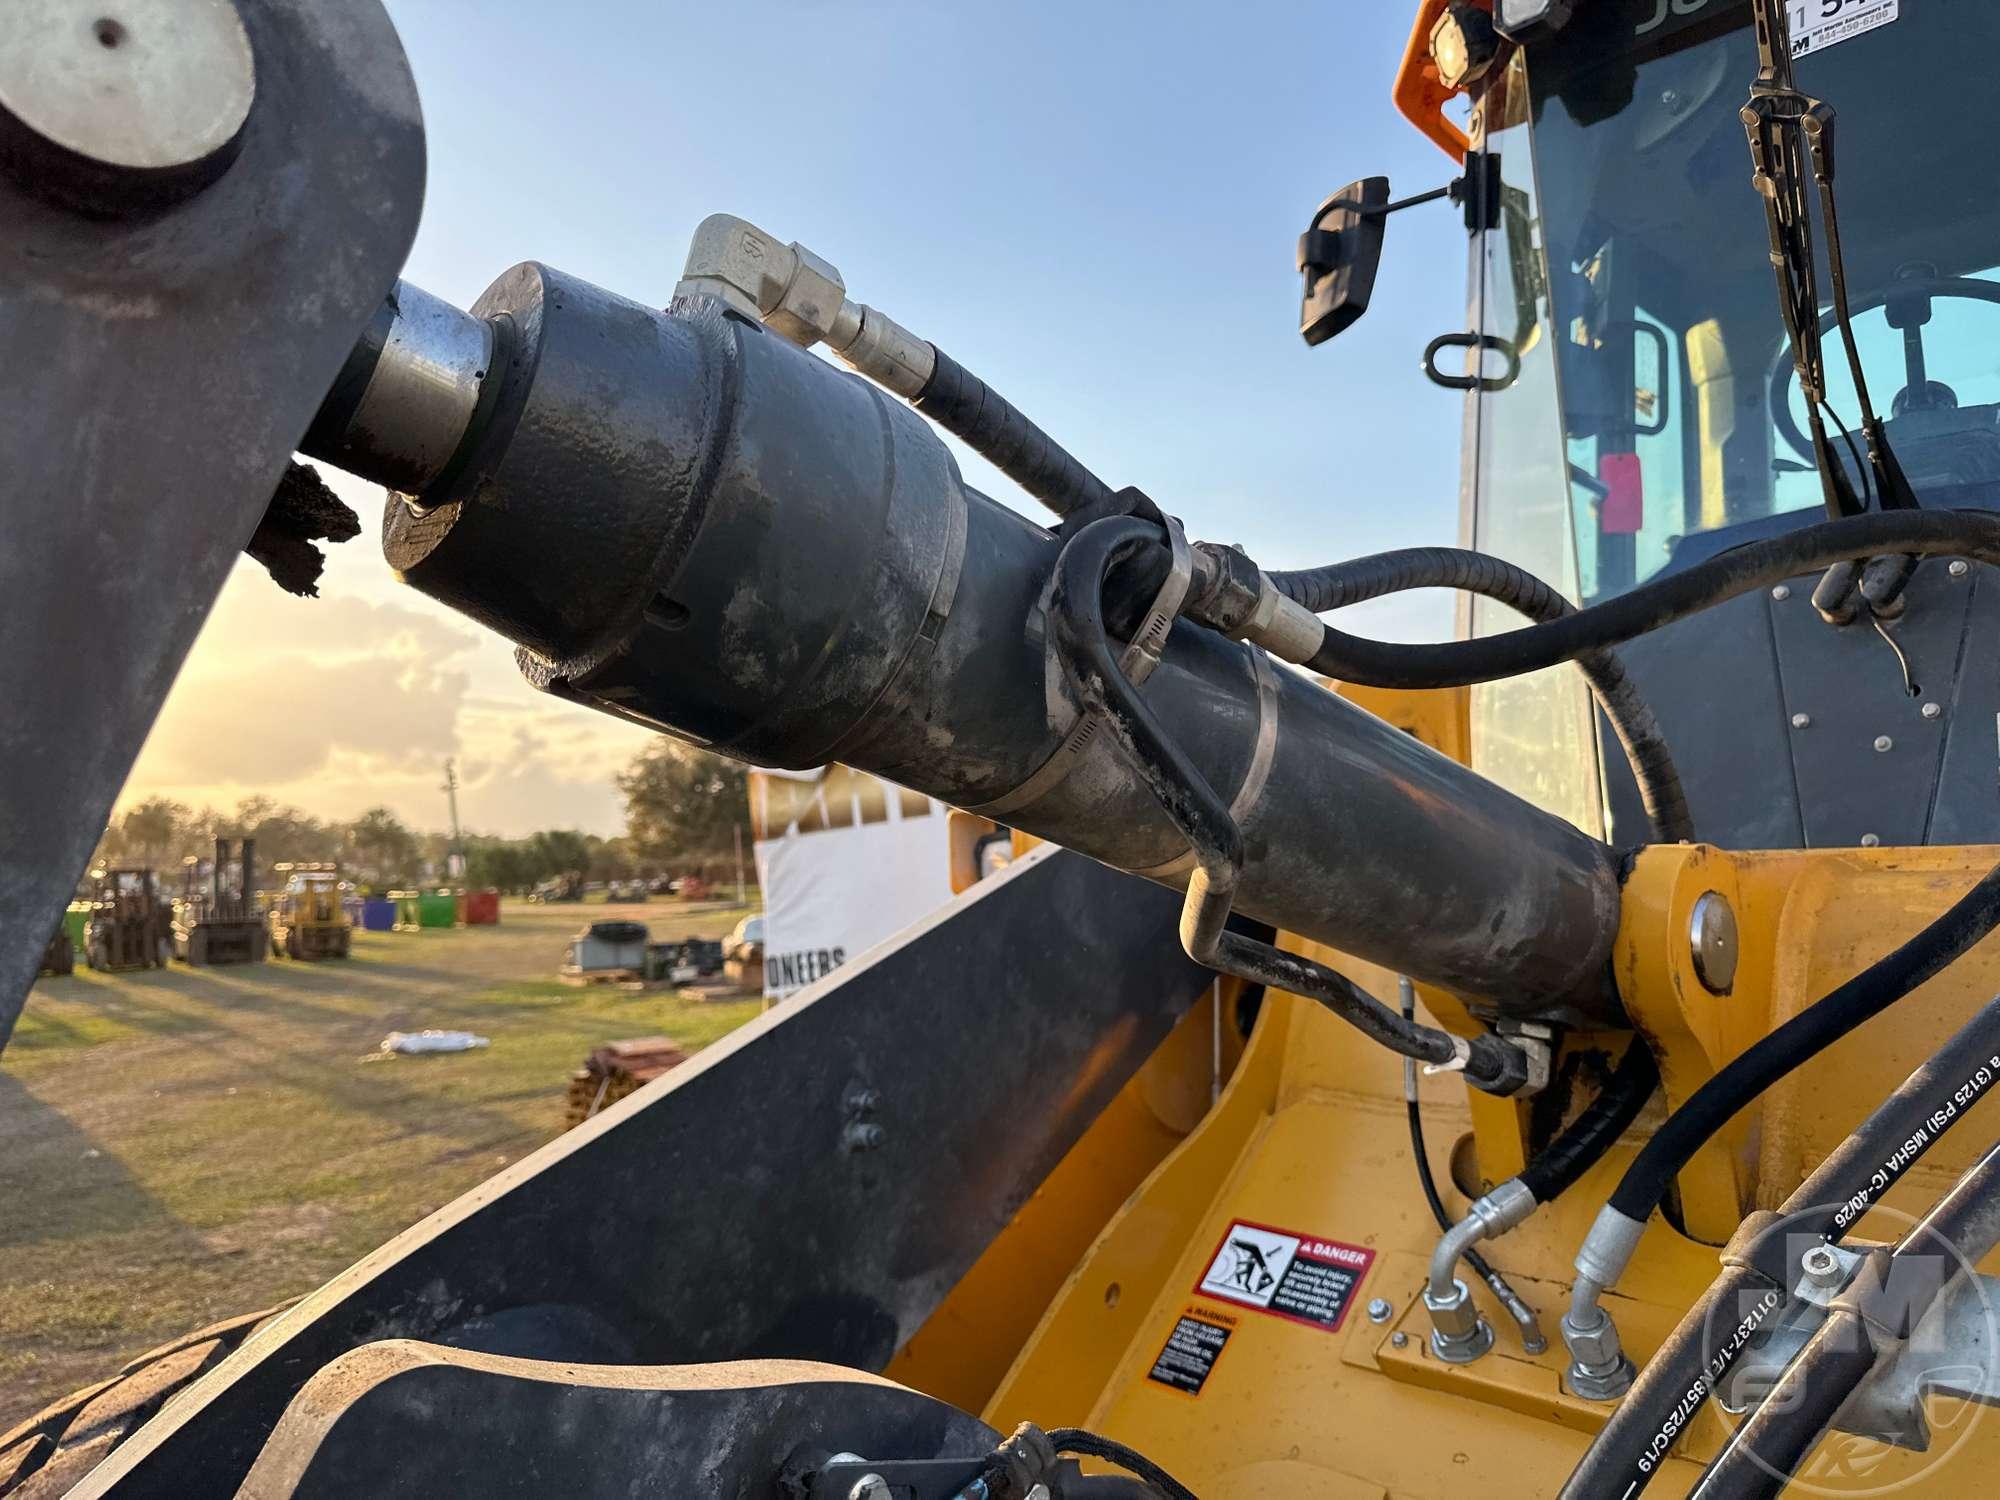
(308, 918)
(217, 919)
(129, 926)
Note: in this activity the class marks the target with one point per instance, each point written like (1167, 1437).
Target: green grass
(178, 1146)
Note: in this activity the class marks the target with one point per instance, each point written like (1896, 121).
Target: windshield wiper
(1787, 128)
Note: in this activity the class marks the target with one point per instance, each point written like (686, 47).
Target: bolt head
(1380, 1310)
(1933, 711)
(1871, 840)
(1883, 744)
(1801, 721)
(869, 1487)
(1959, 567)
(1399, 1340)
(1782, 592)
(1821, 1265)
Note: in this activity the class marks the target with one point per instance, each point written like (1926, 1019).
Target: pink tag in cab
(1622, 511)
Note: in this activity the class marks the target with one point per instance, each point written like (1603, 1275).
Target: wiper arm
(1786, 128)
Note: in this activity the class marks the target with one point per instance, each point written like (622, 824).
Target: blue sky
(1093, 205)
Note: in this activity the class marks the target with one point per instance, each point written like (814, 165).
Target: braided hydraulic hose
(1632, 720)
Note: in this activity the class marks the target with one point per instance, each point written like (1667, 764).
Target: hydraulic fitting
(802, 298)
(1598, 1369)
(1459, 1335)
(1236, 598)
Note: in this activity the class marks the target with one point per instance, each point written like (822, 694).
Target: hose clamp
(1136, 661)
(1149, 641)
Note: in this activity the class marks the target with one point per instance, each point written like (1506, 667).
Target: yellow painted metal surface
(1309, 1137)
(1065, 1318)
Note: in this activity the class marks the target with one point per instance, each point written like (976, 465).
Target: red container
(480, 908)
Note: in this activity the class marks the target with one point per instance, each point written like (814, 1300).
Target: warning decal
(1296, 1276)
(1192, 1350)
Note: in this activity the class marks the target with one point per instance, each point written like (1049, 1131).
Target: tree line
(684, 811)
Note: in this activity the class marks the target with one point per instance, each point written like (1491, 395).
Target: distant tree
(559, 851)
(385, 848)
(504, 864)
(683, 805)
(152, 829)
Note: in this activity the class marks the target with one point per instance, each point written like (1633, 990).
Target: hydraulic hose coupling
(1232, 595)
(1458, 1334)
(802, 298)
(1599, 1370)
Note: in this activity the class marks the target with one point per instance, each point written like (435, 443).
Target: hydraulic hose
(1077, 629)
(1533, 1340)
(1757, 1271)
(1866, 1323)
(1580, 1147)
(1805, 1036)
(1608, 1247)
(1924, 533)
(1632, 720)
(966, 406)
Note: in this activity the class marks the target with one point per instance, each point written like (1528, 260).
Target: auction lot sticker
(1816, 25)
(1289, 1275)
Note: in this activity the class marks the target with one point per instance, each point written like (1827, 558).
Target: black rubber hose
(1421, 1155)
(1807, 1034)
(1682, 1374)
(1924, 533)
(1769, 1445)
(1632, 720)
(966, 406)
(1090, 1445)
(1580, 1147)
(1083, 649)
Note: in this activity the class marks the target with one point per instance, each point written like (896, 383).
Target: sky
(1093, 204)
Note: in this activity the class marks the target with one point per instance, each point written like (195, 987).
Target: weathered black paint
(687, 521)
(162, 368)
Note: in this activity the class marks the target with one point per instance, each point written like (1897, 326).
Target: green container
(437, 909)
(407, 910)
(74, 919)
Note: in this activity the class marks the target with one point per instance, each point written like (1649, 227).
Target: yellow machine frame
(1065, 1316)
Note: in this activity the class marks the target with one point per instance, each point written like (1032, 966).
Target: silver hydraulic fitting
(1598, 1369)
(799, 296)
(1235, 597)
(1489, 1217)
(1459, 1335)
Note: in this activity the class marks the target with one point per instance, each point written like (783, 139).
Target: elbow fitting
(801, 297)
(1503, 1209)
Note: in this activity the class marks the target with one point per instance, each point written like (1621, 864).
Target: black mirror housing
(1338, 257)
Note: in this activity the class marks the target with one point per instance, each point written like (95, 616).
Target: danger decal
(1297, 1276)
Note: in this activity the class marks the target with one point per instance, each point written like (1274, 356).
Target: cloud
(345, 702)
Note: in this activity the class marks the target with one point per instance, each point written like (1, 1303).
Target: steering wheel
(1915, 291)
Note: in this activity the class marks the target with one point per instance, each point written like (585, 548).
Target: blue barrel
(378, 914)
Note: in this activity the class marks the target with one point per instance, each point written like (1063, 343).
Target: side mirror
(1338, 256)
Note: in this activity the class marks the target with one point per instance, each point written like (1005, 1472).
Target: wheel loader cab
(1655, 420)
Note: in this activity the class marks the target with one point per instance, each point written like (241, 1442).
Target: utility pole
(450, 790)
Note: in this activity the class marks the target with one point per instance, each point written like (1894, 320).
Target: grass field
(183, 1144)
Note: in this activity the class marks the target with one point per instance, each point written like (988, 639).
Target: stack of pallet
(615, 1070)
